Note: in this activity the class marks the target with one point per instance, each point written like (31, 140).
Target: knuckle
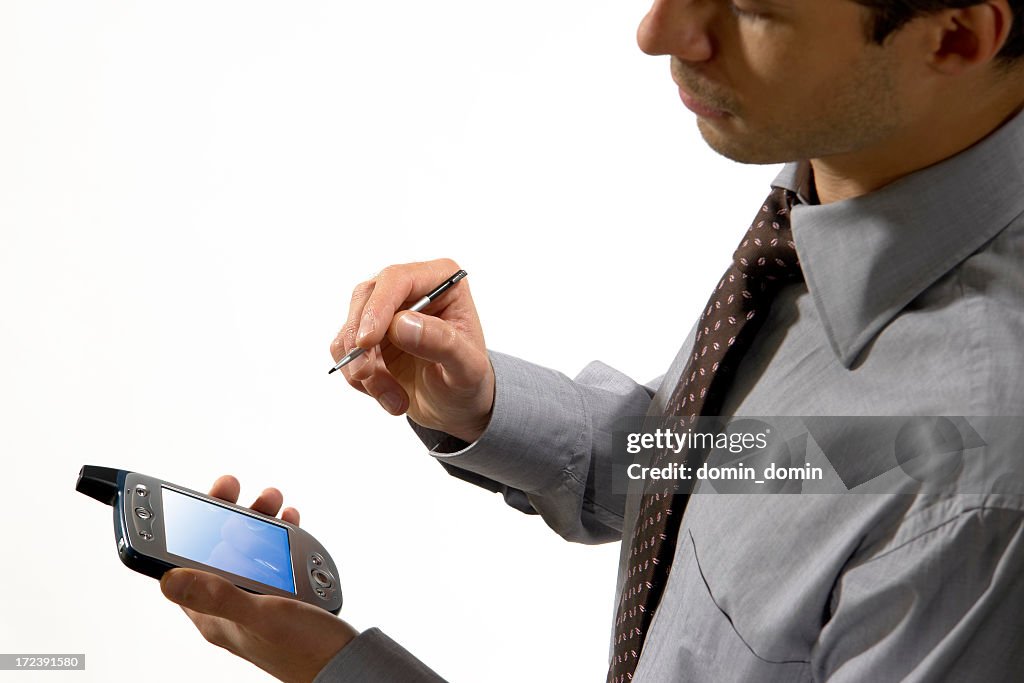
(363, 373)
(210, 635)
(209, 631)
(218, 596)
(348, 334)
(361, 291)
(449, 337)
(396, 275)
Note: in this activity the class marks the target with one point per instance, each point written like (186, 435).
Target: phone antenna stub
(98, 482)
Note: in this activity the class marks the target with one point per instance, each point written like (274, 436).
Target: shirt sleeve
(945, 605)
(548, 446)
(372, 657)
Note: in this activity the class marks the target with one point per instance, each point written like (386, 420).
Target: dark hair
(888, 16)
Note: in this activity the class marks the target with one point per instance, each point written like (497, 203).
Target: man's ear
(968, 38)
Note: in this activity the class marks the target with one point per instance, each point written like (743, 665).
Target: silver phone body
(141, 525)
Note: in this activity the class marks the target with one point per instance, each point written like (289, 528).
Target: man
(903, 204)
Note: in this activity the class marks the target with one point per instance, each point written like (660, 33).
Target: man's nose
(678, 28)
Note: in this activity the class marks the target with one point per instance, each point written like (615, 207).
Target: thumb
(438, 341)
(209, 594)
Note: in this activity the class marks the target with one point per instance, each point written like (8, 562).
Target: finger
(290, 515)
(395, 286)
(354, 383)
(355, 371)
(346, 337)
(226, 488)
(363, 366)
(375, 379)
(345, 340)
(382, 385)
(268, 502)
(439, 341)
(209, 594)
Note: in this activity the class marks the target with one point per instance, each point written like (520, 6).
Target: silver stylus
(419, 305)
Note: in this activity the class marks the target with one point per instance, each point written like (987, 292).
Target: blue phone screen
(231, 541)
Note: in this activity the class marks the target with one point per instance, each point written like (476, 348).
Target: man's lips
(691, 95)
(698, 107)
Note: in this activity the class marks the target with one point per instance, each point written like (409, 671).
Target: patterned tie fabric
(765, 260)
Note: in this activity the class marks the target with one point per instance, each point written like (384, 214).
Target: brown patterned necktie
(765, 260)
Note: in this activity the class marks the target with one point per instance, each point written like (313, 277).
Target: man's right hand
(432, 365)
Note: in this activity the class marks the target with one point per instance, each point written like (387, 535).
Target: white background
(189, 191)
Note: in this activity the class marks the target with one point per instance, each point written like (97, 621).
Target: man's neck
(850, 175)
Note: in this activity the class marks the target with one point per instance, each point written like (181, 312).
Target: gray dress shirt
(913, 305)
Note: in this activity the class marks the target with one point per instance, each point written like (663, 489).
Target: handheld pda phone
(159, 526)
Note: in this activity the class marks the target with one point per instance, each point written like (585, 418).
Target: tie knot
(767, 250)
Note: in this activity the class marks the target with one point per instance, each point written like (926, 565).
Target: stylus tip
(331, 370)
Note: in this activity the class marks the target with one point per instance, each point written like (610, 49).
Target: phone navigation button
(322, 578)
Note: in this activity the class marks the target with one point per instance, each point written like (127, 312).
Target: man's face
(782, 80)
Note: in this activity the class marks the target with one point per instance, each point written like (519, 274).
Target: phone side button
(143, 513)
(146, 536)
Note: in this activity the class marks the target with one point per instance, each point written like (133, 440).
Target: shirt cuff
(537, 424)
(372, 657)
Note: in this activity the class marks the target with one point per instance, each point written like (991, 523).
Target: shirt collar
(864, 259)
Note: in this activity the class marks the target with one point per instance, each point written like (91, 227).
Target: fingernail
(177, 584)
(367, 326)
(410, 329)
(391, 402)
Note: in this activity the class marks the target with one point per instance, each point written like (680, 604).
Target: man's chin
(739, 148)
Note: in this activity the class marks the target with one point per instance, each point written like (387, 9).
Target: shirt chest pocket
(693, 638)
